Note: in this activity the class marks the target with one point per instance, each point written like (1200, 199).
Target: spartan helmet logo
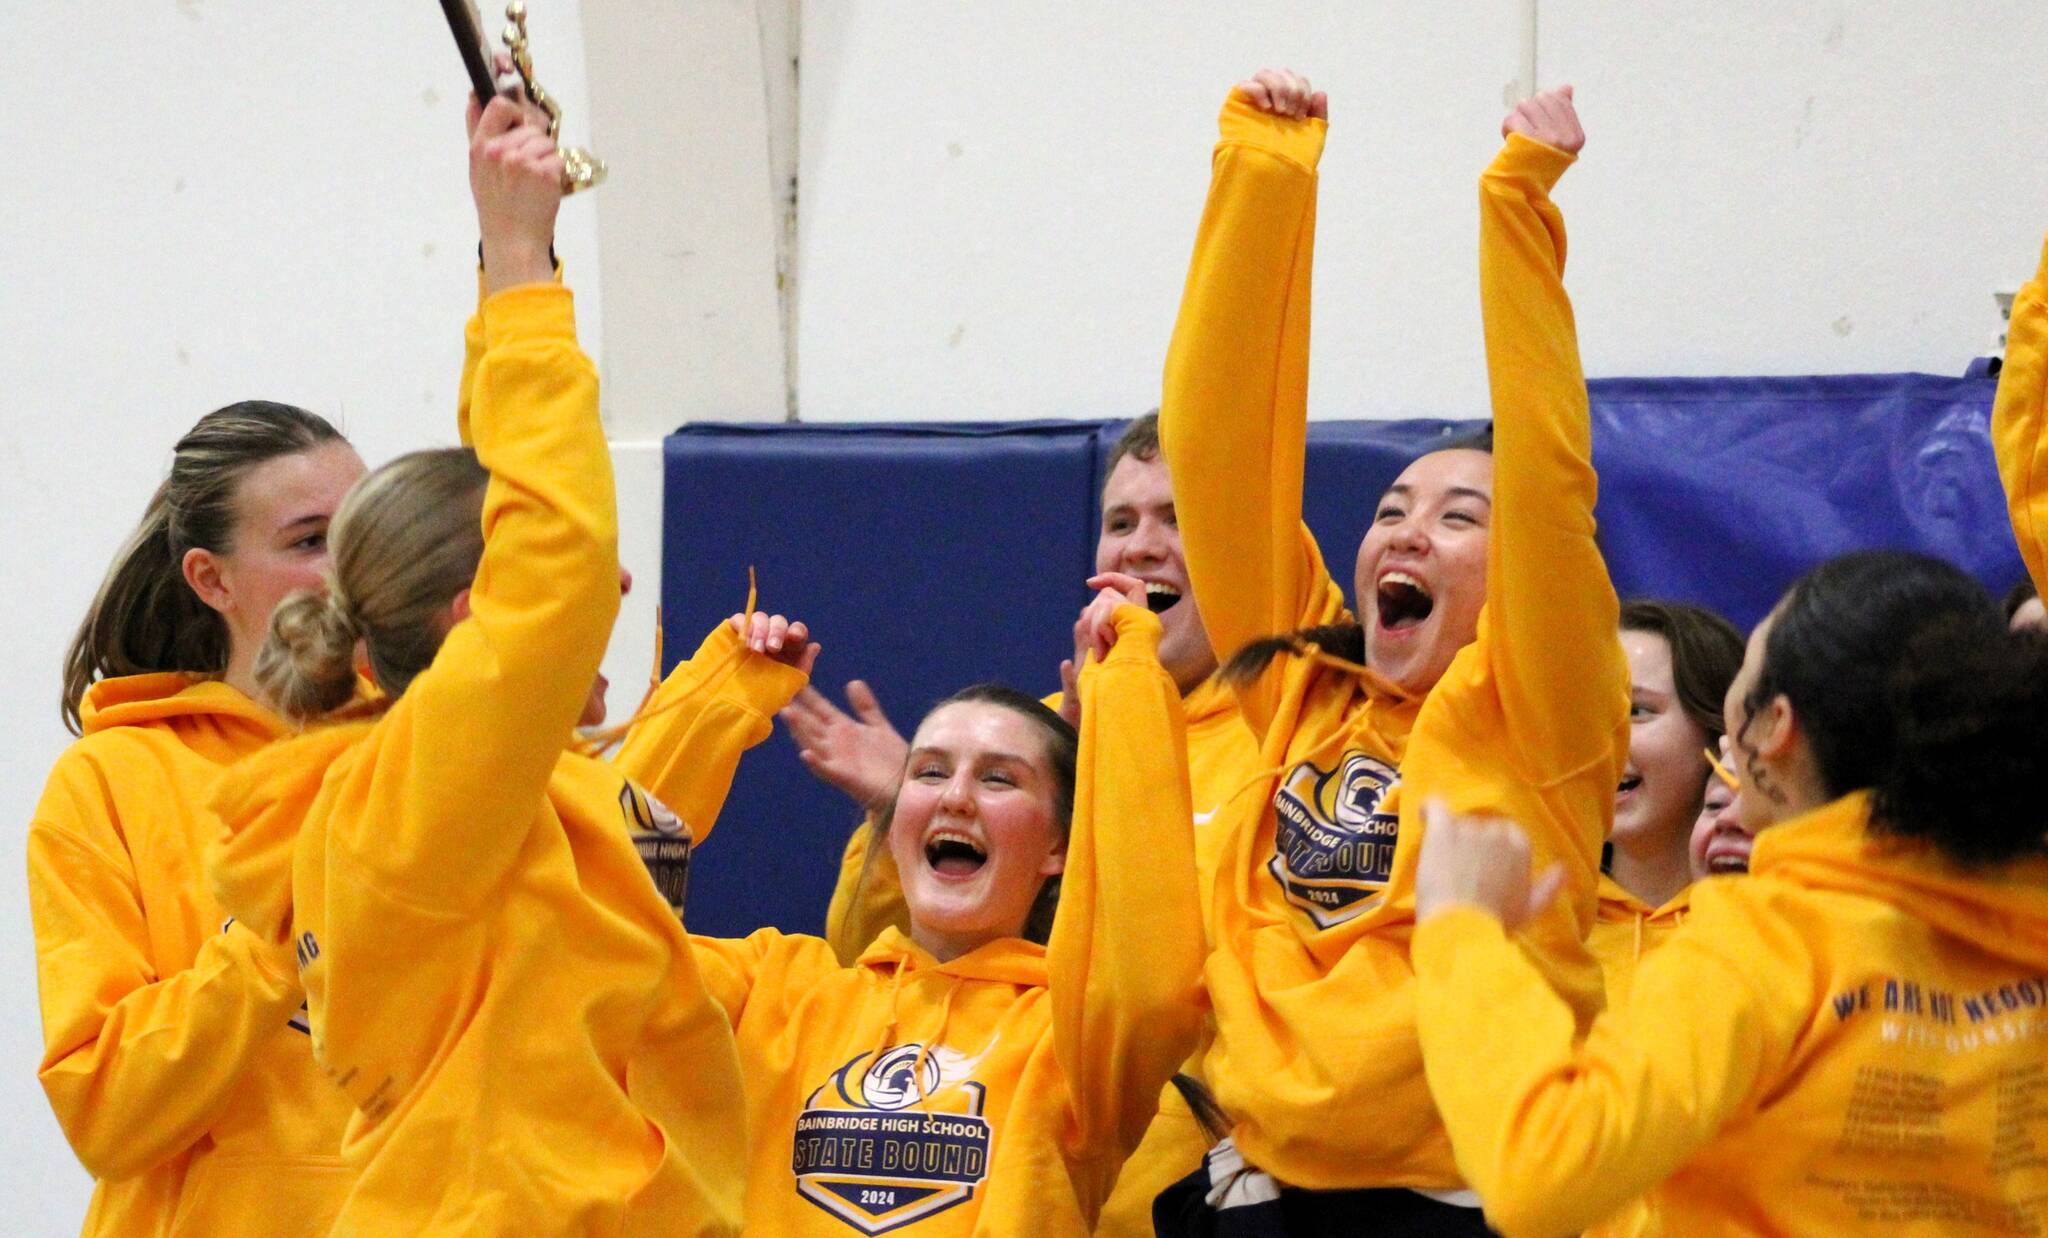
(895, 1080)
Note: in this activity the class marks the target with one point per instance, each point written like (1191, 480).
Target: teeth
(1403, 578)
(953, 836)
(1153, 586)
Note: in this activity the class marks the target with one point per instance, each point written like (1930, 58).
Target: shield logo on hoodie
(893, 1138)
(1334, 845)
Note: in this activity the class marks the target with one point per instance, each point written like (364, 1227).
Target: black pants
(1183, 1211)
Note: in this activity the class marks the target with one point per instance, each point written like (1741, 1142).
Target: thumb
(1566, 91)
(1543, 891)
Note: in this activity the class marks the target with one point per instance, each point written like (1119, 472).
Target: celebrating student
(174, 1054)
(1490, 672)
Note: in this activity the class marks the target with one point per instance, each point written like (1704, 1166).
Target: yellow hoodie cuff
(1138, 631)
(1462, 931)
(758, 682)
(483, 287)
(1243, 123)
(527, 312)
(1534, 163)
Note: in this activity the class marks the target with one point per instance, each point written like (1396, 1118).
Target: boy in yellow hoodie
(1849, 1038)
(494, 980)
(1491, 670)
(175, 1050)
(988, 1072)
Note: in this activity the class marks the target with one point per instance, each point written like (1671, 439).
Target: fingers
(808, 659)
(499, 117)
(1319, 106)
(1070, 693)
(1283, 92)
(862, 698)
(1127, 587)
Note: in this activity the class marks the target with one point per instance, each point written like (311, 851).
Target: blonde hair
(406, 540)
(145, 617)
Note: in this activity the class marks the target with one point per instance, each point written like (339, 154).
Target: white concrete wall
(215, 199)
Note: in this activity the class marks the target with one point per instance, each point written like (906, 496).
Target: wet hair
(1706, 654)
(1343, 640)
(2017, 596)
(1906, 681)
(406, 540)
(145, 617)
(1062, 749)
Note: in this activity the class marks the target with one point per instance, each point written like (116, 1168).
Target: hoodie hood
(1008, 960)
(260, 803)
(2001, 910)
(136, 700)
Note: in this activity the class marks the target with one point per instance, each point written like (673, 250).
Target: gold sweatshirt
(1312, 903)
(509, 1001)
(997, 1093)
(1849, 1039)
(1629, 928)
(1222, 759)
(2019, 423)
(175, 1052)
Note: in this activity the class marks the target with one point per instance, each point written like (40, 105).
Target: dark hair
(1706, 653)
(145, 617)
(1139, 439)
(1907, 682)
(1062, 749)
(2017, 596)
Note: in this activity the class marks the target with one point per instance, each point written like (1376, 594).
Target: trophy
(580, 168)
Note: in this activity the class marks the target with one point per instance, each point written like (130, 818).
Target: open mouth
(1629, 782)
(953, 854)
(1727, 853)
(1161, 598)
(1404, 602)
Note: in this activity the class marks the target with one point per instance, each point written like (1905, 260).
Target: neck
(943, 946)
(241, 673)
(1655, 876)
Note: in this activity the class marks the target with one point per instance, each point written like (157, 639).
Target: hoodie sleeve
(867, 897)
(1233, 416)
(2019, 423)
(1125, 959)
(767, 966)
(465, 756)
(1556, 1135)
(1551, 614)
(694, 728)
(137, 1065)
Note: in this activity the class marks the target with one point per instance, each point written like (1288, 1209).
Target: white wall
(998, 199)
(215, 199)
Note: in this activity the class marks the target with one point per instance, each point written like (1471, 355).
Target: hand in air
(1095, 633)
(860, 753)
(1283, 92)
(515, 175)
(1549, 117)
(1479, 862)
(778, 639)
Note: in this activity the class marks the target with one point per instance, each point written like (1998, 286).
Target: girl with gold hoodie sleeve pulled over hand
(175, 1054)
(495, 982)
(1485, 663)
(1850, 1032)
(988, 1072)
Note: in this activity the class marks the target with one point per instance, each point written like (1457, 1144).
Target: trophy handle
(580, 169)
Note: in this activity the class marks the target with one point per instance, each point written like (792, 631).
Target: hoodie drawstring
(924, 1100)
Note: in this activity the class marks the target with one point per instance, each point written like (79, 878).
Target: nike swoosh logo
(1202, 818)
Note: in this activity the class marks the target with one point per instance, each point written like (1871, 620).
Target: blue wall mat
(928, 556)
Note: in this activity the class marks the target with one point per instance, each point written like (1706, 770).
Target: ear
(1055, 860)
(1775, 730)
(202, 571)
(458, 610)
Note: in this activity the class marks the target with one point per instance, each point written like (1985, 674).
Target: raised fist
(1548, 117)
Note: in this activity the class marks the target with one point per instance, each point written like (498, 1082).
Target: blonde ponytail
(307, 666)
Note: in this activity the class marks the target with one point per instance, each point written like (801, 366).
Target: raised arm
(481, 729)
(686, 744)
(1549, 626)
(1233, 414)
(1126, 952)
(137, 1066)
(1554, 1134)
(2019, 423)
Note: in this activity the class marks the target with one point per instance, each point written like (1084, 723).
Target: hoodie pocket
(261, 1197)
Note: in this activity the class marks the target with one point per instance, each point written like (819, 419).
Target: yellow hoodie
(1848, 1040)
(495, 982)
(2019, 423)
(1315, 1056)
(1627, 929)
(175, 1054)
(997, 1093)
(1222, 759)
